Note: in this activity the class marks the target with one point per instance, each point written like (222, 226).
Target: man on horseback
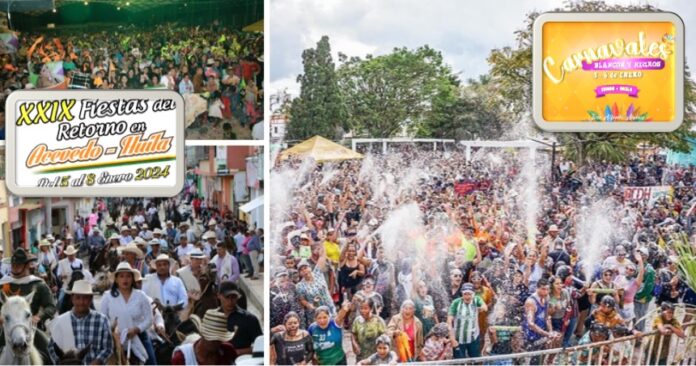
(163, 286)
(155, 245)
(125, 237)
(21, 283)
(81, 327)
(190, 275)
(96, 243)
(157, 235)
(133, 255)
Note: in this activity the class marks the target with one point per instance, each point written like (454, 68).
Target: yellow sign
(608, 72)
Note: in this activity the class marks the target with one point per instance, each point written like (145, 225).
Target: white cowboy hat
(169, 222)
(114, 236)
(214, 326)
(139, 241)
(71, 250)
(198, 221)
(50, 237)
(157, 232)
(125, 267)
(131, 248)
(44, 243)
(145, 226)
(183, 224)
(154, 242)
(81, 287)
(161, 257)
(212, 222)
(124, 228)
(196, 253)
(209, 235)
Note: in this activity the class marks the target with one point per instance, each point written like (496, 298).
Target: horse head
(170, 315)
(17, 323)
(71, 357)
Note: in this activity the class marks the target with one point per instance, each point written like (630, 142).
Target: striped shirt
(466, 326)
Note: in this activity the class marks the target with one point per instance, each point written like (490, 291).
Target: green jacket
(42, 304)
(645, 292)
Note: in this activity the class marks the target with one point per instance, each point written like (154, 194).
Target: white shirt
(239, 239)
(170, 292)
(183, 251)
(134, 313)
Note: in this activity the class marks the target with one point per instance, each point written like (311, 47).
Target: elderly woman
(293, 345)
(327, 335)
(406, 323)
(312, 290)
(130, 309)
(366, 328)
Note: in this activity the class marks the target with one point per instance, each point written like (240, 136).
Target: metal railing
(620, 351)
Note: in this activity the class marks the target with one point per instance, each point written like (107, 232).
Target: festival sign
(95, 143)
(649, 194)
(608, 72)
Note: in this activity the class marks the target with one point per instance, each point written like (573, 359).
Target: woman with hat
(133, 254)
(130, 308)
(46, 257)
(212, 348)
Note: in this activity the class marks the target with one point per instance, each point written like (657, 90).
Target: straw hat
(212, 222)
(161, 257)
(50, 237)
(114, 236)
(157, 231)
(71, 250)
(154, 242)
(209, 235)
(183, 224)
(132, 248)
(139, 241)
(214, 327)
(44, 243)
(81, 287)
(196, 253)
(124, 228)
(125, 267)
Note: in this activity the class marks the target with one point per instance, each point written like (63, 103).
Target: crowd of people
(165, 269)
(223, 66)
(419, 255)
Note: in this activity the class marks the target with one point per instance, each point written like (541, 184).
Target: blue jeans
(569, 331)
(641, 309)
(147, 343)
(468, 350)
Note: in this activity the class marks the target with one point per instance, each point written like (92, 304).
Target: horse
(103, 280)
(208, 299)
(175, 331)
(19, 331)
(71, 357)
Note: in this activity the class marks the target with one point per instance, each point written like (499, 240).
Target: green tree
(388, 94)
(511, 71)
(319, 109)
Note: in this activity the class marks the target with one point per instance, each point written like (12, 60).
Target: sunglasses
(608, 274)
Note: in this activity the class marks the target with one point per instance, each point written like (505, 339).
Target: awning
(254, 27)
(252, 205)
(29, 205)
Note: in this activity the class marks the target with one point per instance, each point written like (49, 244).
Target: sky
(464, 31)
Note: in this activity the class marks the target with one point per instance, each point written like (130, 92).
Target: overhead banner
(649, 194)
(95, 143)
(608, 72)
